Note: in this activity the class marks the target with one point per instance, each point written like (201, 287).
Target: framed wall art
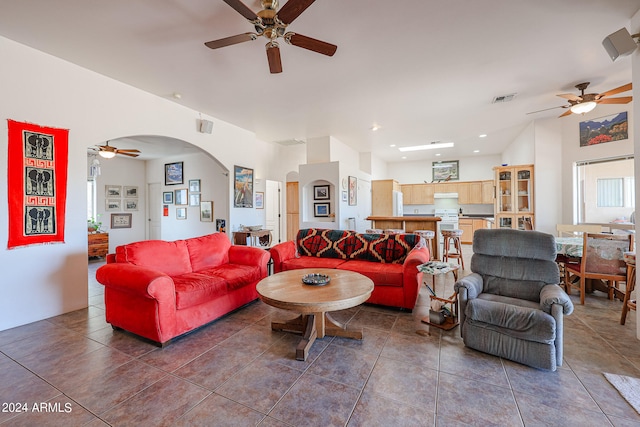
(181, 197)
(167, 197)
(173, 173)
(121, 220)
(130, 204)
(604, 129)
(206, 211)
(113, 191)
(353, 191)
(113, 205)
(181, 213)
(259, 200)
(130, 191)
(320, 192)
(243, 187)
(194, 199)
(194, 186)
(321, 209)
(445, 171)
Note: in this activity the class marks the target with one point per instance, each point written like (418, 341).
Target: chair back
(570, 230)
(515, 263)
(603, 254)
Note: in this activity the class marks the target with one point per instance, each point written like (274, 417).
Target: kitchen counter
(409, 224)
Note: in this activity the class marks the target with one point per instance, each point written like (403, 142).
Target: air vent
(503, 98)
(288, 142)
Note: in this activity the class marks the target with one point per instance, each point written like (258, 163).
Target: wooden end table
(285, 290)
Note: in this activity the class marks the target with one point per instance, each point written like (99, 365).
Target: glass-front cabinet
(514, 198)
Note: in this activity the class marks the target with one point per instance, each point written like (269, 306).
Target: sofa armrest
(553, 294)
(282, 252)
(248, 255)
(411, 276)
(467, 288)
(133, 279)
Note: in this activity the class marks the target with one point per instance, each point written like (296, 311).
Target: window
(610, 192)
(92, 200)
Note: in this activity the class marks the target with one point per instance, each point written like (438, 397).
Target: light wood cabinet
(469, 192)
(382, 196)
(293, 210)
(469, 227)
(417, 194)
(488, 192)
(514, 197)
(98, 244)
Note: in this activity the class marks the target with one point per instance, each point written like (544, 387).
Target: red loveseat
(390, 260)
(159, 289)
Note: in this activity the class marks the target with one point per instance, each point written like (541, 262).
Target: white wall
(476, 168)
(547, 174)
(43, 281)
(521, 151)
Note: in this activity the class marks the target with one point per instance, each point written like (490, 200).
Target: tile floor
(237, 372)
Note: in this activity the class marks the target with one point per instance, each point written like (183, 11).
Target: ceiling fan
(108, 151)
(585, 102)
(272, 24)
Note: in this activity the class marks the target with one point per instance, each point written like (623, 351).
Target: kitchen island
(410, 224)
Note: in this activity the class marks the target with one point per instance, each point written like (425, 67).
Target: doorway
(272, 206)
(154, 202)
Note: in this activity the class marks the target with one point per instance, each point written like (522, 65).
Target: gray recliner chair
(511, 305)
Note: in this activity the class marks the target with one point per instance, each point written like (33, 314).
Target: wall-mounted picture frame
(121, 220)
(259, 200)
(194, 199)
(353, 191)
(194, 186)
(130, 191)
(445, 171)
(181, 197)
(320, 192)
(167, 197)
(321, 209)
(345, 197)
(112, 191)
(181, 213)
(130, 204)
(614, 127)
(174, 173)
(243, 187)
(221, 225)
(113, 205)
(206, 211)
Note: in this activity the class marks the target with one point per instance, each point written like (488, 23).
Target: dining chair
(602, 259)
(568, 230)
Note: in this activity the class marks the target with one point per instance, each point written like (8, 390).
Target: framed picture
(130, 191)
(173, 173)
(445, 171)
(320, 192)
(206, 211)
(194, 186)
(604, 129)
(194, 199)
(167, 197)
(121, 220)
(344, 196)
(353, 191)
(130, 204)
(113, 191)
(181, 213)
(113, 205)
(181, 196)
(259, 200)
(321, 209)
(243, 187)
(221, 225)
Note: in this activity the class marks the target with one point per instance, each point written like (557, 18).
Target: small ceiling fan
(272, 24)
(585, 102)
(107, 151)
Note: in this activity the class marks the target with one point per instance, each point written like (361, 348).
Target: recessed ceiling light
(484, 135)
(375, 127)
(476, 151)
(438, 154)
(431, 146)
(392, 145)
(403, 157)
(177, 95)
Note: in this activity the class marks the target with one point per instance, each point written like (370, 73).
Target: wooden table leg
(337, 329)
(310, 335)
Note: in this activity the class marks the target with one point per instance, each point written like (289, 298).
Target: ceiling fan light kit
(107, 154)
(272, 24)
(583, 107)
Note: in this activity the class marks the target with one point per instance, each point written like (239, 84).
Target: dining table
(570, 246)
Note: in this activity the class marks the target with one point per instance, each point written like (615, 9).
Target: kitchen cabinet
(469, 192)
(382, 196)
(488, 192)
(514, 197)
(417, 194)
(469, 227)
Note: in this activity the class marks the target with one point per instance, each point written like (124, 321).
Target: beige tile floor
(237, 372)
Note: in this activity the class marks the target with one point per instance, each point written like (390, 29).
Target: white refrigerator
(397, 204)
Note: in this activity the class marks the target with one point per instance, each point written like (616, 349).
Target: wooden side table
(437, 268)
(98, 244)
(259, 238)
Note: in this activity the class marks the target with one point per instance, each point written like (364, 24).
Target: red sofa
(159, 289)
(390, 260)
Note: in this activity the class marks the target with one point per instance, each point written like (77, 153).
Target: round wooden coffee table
(285, 290)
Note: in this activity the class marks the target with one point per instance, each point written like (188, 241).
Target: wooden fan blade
(228, 41)
(566, 113)
(621, 100)
(273, 55)
(570, 96)
(620, 89)
(292, 9)
(127, 154)
(128, 150)
(311, 44)
(242, 9)
(547, 109)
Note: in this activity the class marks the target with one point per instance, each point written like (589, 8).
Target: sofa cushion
(196, 288)
(235, 275)
(310, 262)
(519, 321)
(208, 251)
(171, 258)
(381, 274)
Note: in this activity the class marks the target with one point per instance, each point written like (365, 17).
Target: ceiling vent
(288, 142)
(503, 98)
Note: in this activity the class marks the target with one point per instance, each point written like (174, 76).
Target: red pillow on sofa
(208, 251)
(171, 258)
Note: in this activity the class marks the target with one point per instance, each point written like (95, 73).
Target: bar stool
(452, 236)
(393, 231)
(428, 236)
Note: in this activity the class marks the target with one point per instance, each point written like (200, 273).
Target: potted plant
(93, 225)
